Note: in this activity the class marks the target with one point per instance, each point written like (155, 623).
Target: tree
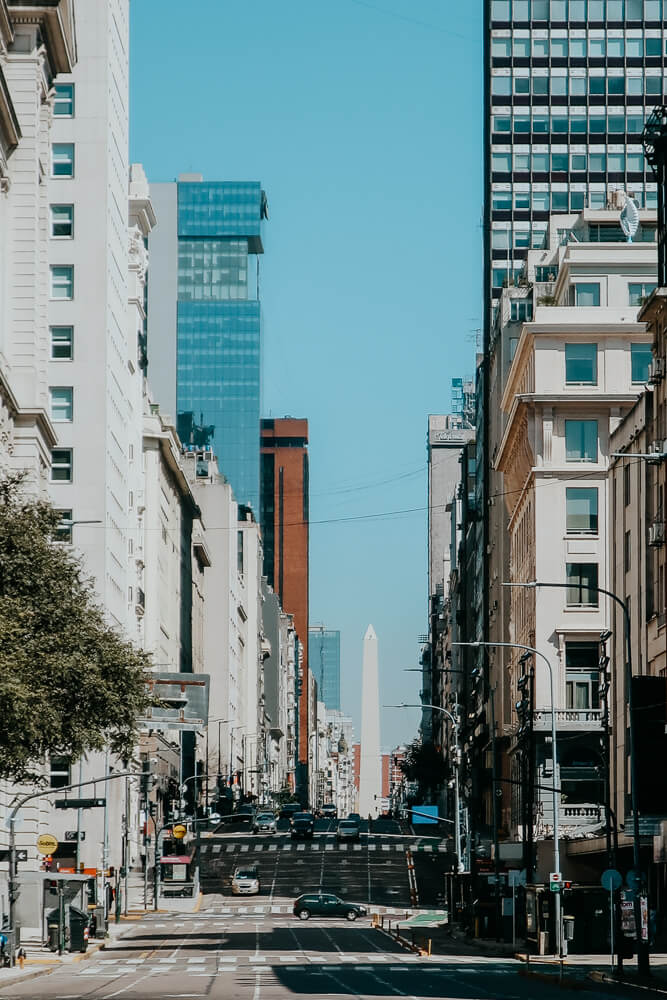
(424, 764)
(69, 683)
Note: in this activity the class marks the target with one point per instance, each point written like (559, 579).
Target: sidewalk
(578, 971)
(41, 961)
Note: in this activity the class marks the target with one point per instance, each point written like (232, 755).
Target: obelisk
(370, 765)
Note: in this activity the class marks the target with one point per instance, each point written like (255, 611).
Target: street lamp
(642, 946)
(554, 753)
(457, 818)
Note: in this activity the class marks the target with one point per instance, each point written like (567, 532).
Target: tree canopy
(69, 683)
(424, 764)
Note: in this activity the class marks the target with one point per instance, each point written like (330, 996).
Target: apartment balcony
(568, 720)
(577, 818)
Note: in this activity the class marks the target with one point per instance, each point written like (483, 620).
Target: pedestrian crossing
(313, 847)
(265, 909)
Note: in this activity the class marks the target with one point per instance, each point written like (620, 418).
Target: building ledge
(56, 19)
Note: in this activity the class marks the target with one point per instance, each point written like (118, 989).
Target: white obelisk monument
(370, 765)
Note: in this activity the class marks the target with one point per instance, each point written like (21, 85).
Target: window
(641, 357)
(595, 83)
(502, 123)
(578, 48)
(627, 551)
(615, 85)
(522, 124)
(501, 162)
(559, 162)
(616, 162)
(559, 201)
(521, 48)
(63, 104)
(559, 87)
(578, 161)
(540, 201)
(627, 485)
(239, 552)
(582, 675)
(62, 281)
(60, 772)
(597, 162)
(582, 583)
(541, 48)
(653, 46)
(634, 48)
(62, 221)
(63, 532)
(581, 510)
(501, 48)
(638, 292)
(500, 239)
(581, 440)
(616, 47)
(61, 402)
(522, 161)
(62, 343)
(500, 10)
(541, 162)
(635, 162)
(522, 201)
(61, 465)
(581, 364)
(521, 85)
(540, 86)
(587, 294)
(502, 201)
(521, 310)
(653, 85)
(62, 159)
(559, 48)
(501, 86)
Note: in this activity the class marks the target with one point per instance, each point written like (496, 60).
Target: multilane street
(241, 955)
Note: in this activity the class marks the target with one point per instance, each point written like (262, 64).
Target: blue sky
(363, 121)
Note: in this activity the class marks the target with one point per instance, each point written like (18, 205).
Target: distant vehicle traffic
(288, 810)
(328, 811)
(264, 822)
(303, 825)
(348, 829)
(355, 817)
(245, 881)
(325, 904)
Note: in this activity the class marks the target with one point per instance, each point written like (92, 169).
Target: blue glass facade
(324, 662)
(218, 356)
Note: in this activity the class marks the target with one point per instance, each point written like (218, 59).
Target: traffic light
(152, 809)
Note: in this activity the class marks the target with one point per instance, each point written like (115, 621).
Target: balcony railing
(582, 814)
(568, 718)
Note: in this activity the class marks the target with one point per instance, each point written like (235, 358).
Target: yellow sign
(179, 831)
(47, 843)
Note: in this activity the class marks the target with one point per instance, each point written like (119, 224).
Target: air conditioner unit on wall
(656, 533)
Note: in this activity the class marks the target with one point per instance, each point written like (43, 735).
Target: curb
(602, 977)
(545, 977)
(17, 980)
(404, 943)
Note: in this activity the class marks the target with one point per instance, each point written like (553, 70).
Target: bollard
(430, 943)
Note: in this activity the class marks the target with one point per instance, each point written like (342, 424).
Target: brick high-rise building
(284, 518)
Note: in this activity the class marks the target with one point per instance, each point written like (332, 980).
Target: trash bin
(568, 928)
(53, 936)
(78, 929)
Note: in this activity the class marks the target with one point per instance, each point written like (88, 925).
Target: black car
(328, 811)
(288, 810)
(325, 904)
(303, 825)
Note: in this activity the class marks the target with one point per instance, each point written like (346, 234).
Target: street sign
(555, 881)
(75, 835)
(79, 803)
(179, 831)
(516, 877)
(21, 855)
(611, 879)
(47, 843)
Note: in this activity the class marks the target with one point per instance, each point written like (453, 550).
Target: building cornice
(9, 123)
(168, 449)
(6, 30)
(56, 20)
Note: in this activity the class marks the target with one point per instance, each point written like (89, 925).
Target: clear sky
(363, 121)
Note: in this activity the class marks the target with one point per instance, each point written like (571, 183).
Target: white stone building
(579, 364)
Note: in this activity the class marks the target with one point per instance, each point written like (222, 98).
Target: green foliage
(424, 763)
(68, 682)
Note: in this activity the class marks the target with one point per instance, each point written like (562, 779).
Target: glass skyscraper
(570, 84)
(324, 661)
(205, 254)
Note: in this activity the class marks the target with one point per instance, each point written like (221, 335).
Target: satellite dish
(630, 218)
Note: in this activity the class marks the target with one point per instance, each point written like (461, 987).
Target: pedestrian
(4, 951)
(93, 925)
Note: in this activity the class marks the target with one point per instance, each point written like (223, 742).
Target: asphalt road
(274, 957)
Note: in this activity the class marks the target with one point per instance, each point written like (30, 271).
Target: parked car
(347, 830)
(245, 881)
(356, 817)
(329, 811)
(264, 822)
(288, 810)
(325, 904)
(303, 825)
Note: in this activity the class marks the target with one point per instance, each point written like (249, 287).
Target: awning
(175, 859)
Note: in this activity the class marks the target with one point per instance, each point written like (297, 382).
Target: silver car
(245, 881)
(265, 822)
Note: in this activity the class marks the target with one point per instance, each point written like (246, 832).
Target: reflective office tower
(569, 86)
(324, 659)
(204, 319)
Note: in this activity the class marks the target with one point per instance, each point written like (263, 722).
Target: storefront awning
(175, 859)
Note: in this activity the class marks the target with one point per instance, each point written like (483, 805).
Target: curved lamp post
(457, 818)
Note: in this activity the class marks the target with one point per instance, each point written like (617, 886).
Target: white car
(245, 881)
(265, 822)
